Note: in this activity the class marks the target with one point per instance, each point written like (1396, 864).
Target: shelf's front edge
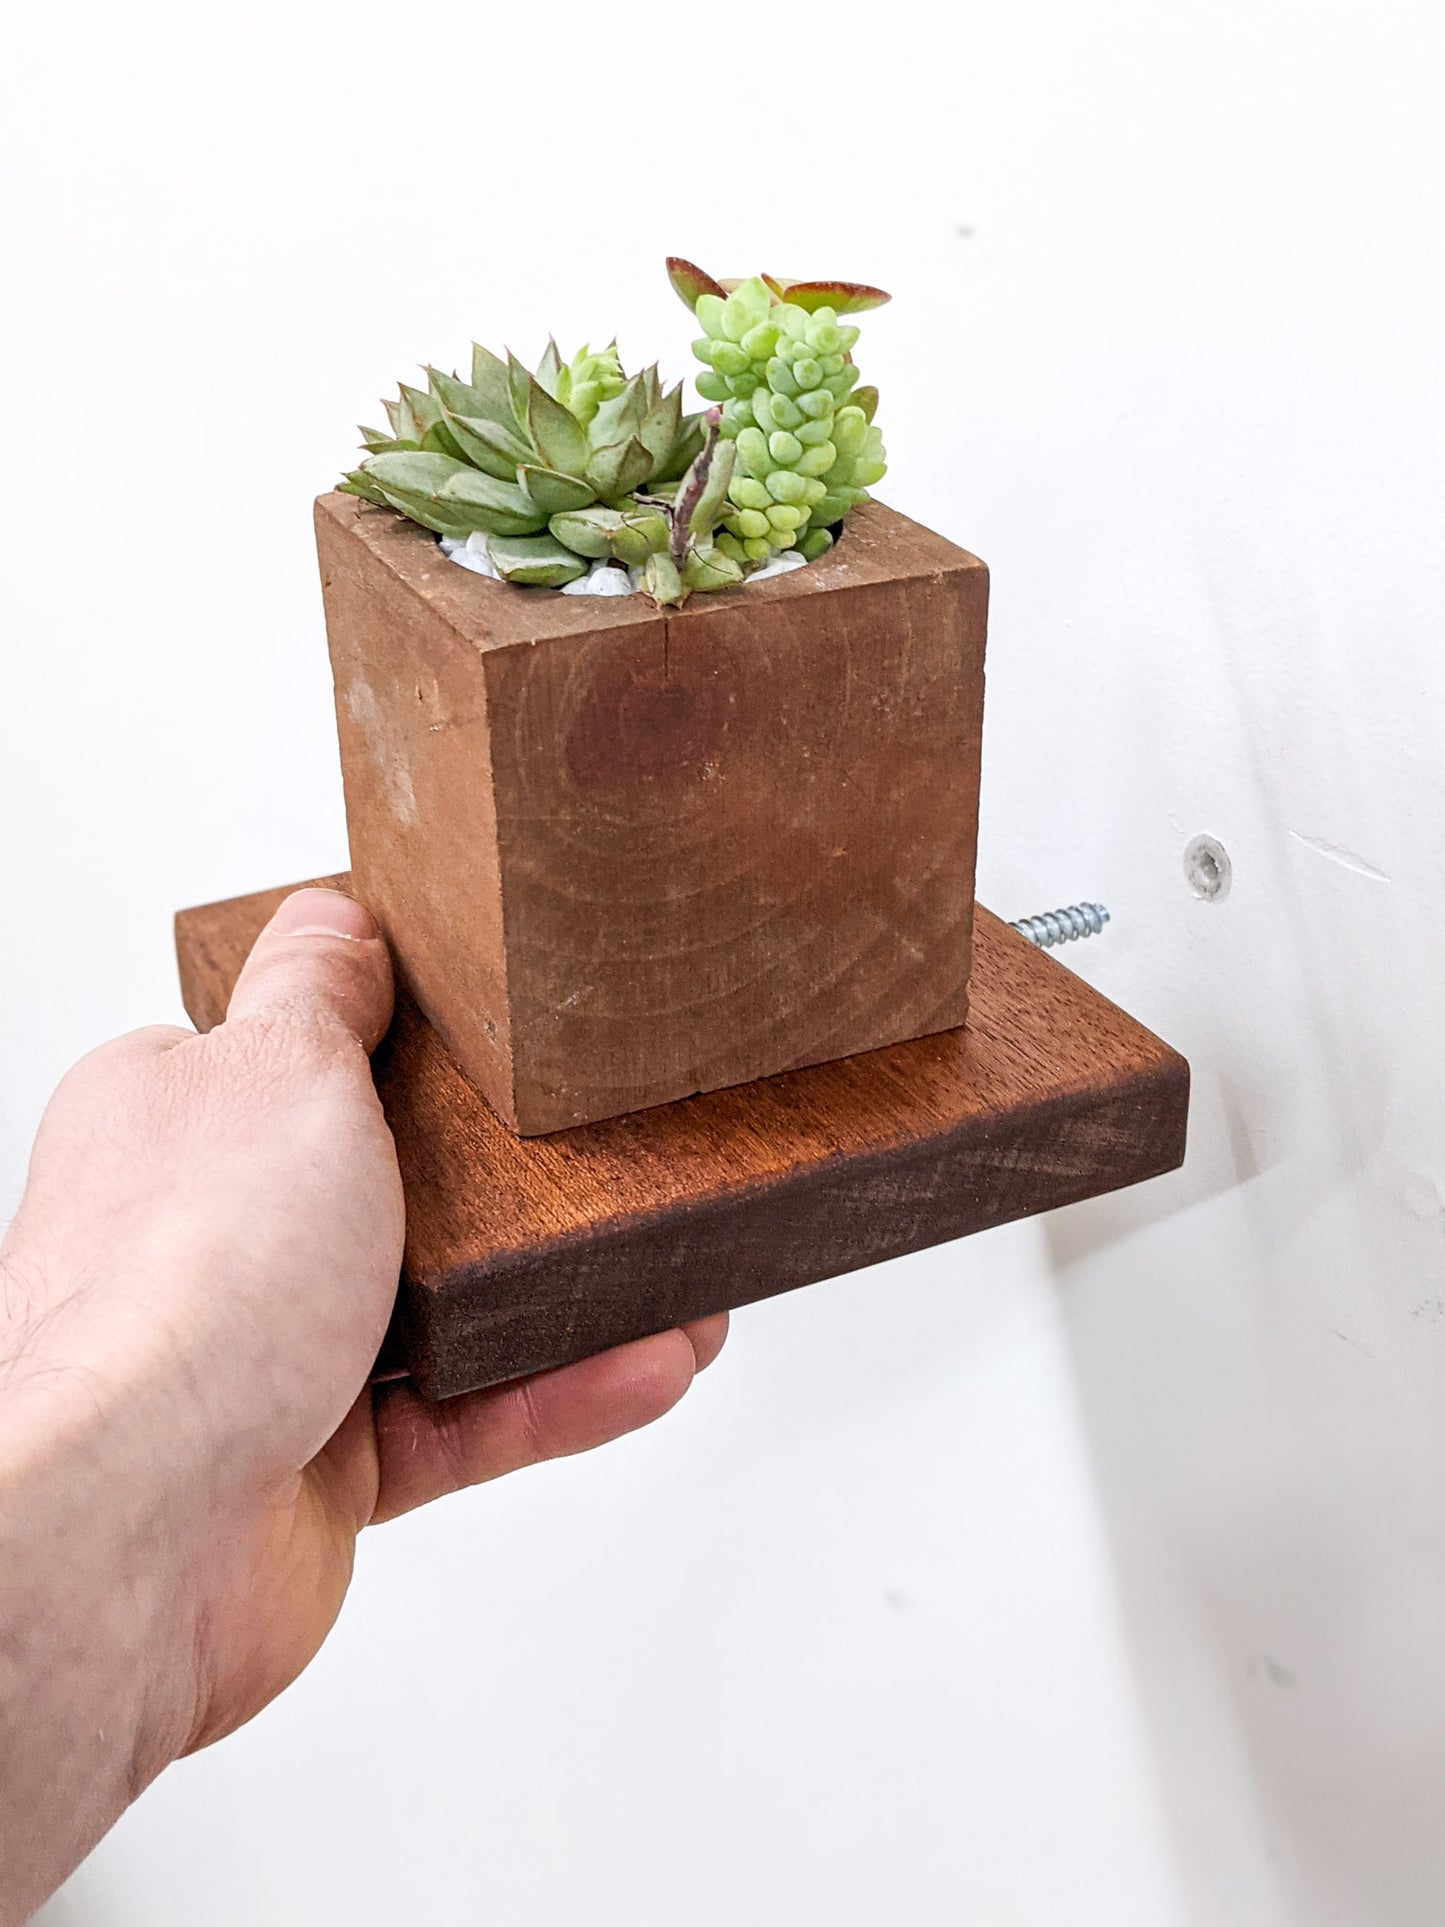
(497, 1318)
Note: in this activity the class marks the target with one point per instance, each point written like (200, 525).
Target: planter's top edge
(489, 615)
(879, 545)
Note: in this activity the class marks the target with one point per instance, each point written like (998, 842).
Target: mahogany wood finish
(527, 1253)
(625, 854)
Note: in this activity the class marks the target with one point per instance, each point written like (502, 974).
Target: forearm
(191, 1298)
(96, 1661)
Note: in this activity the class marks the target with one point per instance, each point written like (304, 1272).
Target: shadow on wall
(63, 1911)
(1258, 1345)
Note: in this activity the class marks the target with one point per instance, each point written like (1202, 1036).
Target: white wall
(1091, 1574)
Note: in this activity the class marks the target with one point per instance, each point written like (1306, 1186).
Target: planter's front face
(625, 855)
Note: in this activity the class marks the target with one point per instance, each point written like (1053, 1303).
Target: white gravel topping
(603, 578)
(783, 563)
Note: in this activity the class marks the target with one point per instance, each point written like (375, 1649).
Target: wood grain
(527, 1253)
(625, 854)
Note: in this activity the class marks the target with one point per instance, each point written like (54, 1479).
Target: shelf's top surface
(1039, 1041)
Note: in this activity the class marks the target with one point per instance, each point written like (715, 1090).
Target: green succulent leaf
(553, 491)
(489, 446)
(556, 434)
(538, 560)
(586, 531)
(424, 406)
(440, 440)
(625, 535)
(477, 403)
(866, 399)
(831, 509)
(663, 582)
(358, 482)
(683, 452)
(620, 416)
(619, 468)
(410, 426)
(491, 383)
(446, 494)
(643, 533)
(376, 441)
(549, 368)
(489, 441)
(661, 427)
(427, 511)
(708, 568)
(713, 500)
(416, 472)
(506, 509)
(520, 383)
(710, 311)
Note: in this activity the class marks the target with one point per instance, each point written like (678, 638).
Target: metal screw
(1063, 926)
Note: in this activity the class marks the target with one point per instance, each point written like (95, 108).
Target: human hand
(195, 1288)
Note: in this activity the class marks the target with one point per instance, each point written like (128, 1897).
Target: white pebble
(605, 580)
(783, 563)
(602, 581)
(471, 554)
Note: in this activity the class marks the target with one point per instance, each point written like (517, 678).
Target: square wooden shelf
(526, 1253)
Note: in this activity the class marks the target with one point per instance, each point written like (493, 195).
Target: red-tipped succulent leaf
(843, 297)
(690, 281)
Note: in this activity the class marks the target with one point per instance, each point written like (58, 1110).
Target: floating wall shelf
(525, 1253)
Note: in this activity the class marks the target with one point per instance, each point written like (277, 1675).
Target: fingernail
(323, 913)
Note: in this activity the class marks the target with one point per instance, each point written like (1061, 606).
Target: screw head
(1207, 869)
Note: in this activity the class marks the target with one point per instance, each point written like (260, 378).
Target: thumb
(320, 957)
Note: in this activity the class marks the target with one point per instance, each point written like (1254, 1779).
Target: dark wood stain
(527, 1253)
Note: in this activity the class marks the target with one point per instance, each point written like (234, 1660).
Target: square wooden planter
(623, 855)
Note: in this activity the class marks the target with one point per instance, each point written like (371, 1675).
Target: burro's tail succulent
(559, 468)
(779, 361)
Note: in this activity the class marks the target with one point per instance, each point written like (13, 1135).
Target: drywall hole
(1207, 869)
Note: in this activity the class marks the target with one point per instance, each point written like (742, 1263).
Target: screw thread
(1063, 926)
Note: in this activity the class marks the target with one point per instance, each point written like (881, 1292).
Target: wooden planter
(625, 855)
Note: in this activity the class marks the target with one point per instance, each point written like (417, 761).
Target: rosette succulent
(559, 468)
(779, 362)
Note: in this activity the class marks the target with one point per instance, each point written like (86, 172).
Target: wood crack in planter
(622, 854)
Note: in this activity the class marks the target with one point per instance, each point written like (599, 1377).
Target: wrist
(97, 1678)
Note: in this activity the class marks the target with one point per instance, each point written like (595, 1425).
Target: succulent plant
(578, 462)
(558, 468)
(779, 362)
